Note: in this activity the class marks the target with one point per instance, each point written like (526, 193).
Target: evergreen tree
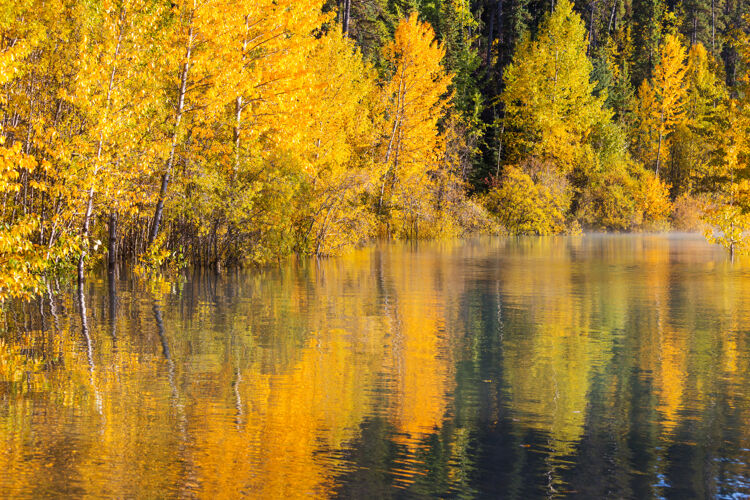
(648, 30)
(702, 20)
(456, 29)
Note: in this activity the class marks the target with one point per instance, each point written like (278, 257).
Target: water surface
(591, 366)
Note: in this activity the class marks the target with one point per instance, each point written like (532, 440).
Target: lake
(586, 366)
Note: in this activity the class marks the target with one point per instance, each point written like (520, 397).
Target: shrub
(652, 201)
(687, 214)
(607, 202)
(523, 206)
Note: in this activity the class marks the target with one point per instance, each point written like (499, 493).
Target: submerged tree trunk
(112, 252)
(112, 289)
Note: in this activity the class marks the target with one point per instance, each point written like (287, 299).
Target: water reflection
(587, 366)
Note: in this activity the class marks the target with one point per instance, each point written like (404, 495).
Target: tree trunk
(158, 212)
(391, 140)
(347, 14)
(236, 134)
(500, 150)
(490, 39)
(658, 153)
(612, 16)
(112, 289)
(238, 106)
(501, 43)
(590, 48)
(713, 27)
(112, 253)
(90, 199)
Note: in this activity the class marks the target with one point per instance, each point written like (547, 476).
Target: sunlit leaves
(662, 104)
(524, 206)
(415, 99)
(549, 101)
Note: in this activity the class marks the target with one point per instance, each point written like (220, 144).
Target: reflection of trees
(419, 362)
(499, 368)
(89, 344)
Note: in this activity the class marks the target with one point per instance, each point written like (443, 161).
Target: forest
(228, 132)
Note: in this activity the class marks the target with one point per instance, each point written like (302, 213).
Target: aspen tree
(728, 215)
(184, 43)
(663, 99)
(117, 52)
(549, 101)
(416, 98)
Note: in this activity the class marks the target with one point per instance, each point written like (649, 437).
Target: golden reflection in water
(419, 348)
(261, 383)
(548, 367)
(281, 421)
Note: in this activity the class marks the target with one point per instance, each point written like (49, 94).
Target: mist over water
(590, 366)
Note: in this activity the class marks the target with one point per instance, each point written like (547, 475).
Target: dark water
(592, 367)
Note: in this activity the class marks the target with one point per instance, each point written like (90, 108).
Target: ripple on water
(593, 366)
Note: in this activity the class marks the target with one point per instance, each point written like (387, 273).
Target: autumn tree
(695, 147)
(524, 206)
(661, 104)
(726, 180)
(118, 53)
(182, 45)
(248, 143)
(222, 131)
(337, 171)
(728, 213)
(550, 109)
(36, 219)
(415, 99)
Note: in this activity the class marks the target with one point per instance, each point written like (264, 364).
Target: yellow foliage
(687, 213)
(525, 207)
(652, 201)
(661, 104)
(549, 103)
(728, 214)
(608, 202)
(415, 99)
(729, 226)
(22, 260)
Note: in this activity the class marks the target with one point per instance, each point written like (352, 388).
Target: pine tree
(702, 20)
(456, 28)
(648, 31)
